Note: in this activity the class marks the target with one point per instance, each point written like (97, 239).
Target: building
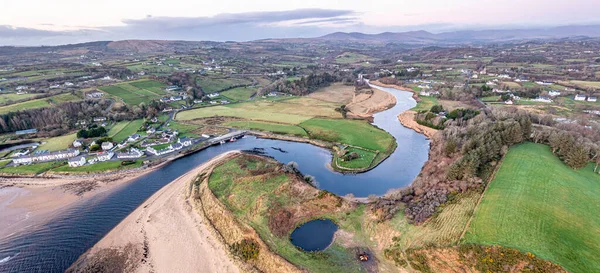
(213, 95)
(509, 102)
(105, 156)
(176, 98)
(185, 141)
(592, 99)
(161, 151)
(272, 94)
(150, 131)
(77, 161)
(133, 153)
(172, 88)
(25, 132)
(48, 156)
(580, 97)
(429, 93)
(107, 146)
(554, 93)
(542, 99)
(133, 138)
(177, 146)
(99, 119)
(94, 95)
(77, 143)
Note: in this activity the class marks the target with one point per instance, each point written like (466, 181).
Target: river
(54, 246)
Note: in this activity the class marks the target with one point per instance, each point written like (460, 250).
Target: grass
(99, 167)
(250, 198)
(365, 159)
(353, 132)
(136, 92)
(538, 204)
(586, 84)
(425, 104)
(131, 128)
(351, 57)
(290, 111)
(184, 129)
(32, 168)
(58, 143)
(269, 127)
(239, 94)
(64, 98)
(211, 85)
(4, 98)
(32, 104)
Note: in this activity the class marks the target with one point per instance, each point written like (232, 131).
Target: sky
(51, 22)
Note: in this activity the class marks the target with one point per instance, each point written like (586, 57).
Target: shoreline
(407, 119)
(164, 234)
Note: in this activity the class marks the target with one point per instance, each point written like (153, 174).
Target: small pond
(315, 235)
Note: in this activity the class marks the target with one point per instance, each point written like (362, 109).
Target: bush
(246, 249)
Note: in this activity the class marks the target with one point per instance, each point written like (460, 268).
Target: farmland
(551, 212)
(121, 132)
(32, 104)
(239, 93)
(269, 127)
(211, 85)
(353, 132)
(4, 98)
(58, 143)
(425, 103)
(136, 92)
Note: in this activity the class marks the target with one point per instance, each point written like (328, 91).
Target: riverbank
(164, 234)
(407, 119)
(401, 88)
(364, 105)
(30, 201)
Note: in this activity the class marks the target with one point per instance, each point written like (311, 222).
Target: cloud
(20, 32)
(254, 18)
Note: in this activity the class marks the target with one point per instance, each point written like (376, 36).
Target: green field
(98, 167)
(124, 131)
(586, 84)
(239, 94)
(269, 127)
(136, 92)
(365, 159)
(66, 97)
(33, 168)
(211, 85)
(425, 104)
(537, 204)
(58, 143)
(32, 104)
(184, 129)
(4, 98)
(351, 57)
(353, 132)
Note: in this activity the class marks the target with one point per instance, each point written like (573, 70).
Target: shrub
(246, 249)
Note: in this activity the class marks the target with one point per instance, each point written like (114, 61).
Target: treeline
(306, 84)
(63, 117)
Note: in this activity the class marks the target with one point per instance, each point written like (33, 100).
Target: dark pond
(54, 246)
(315, 235)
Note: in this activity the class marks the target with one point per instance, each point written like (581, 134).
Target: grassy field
(425, 104)
(210, 85)
(136, 92)
(252, 199)
(365, 159)
(184, 129)
(239, 94)
(538, 204)
(125, 130)
(32, 104)
(98, 167)
(33, 168)
(353, 132)
(351, 57)
(586, 84)
(290, 111)
(269, 127)
(4, 98)
(64, 98)
(58, 143)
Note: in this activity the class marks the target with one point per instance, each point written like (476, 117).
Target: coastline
(164, 234)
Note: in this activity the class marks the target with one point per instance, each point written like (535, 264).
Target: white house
(105, 156)
(69, 84)
(160, 152)
(99, 119)
(428, 93)
(185, 141)
(77, 143)
(580, 97)
(150, 131)
(213, 95)
(133, 153)
(554, 93)
(592, 99)
(107, 146)
(133, 138)
(177, 146)
(542, 99)
(50, 156)
(77, 161)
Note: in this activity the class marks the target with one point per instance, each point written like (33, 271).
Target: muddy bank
(378, 83)
(364, 105)
(408, 120)
(164, 234)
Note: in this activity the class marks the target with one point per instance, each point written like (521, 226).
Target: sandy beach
(26, 202)
(165, 233)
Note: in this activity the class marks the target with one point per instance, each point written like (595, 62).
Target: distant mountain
(466, 36)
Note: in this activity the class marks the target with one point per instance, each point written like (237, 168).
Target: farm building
(77, 161)
(592, 99)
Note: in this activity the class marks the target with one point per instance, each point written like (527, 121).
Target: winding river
(54, 246)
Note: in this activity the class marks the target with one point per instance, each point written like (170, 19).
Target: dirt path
(165, 233)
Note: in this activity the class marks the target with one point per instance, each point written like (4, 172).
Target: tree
(577, 157)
